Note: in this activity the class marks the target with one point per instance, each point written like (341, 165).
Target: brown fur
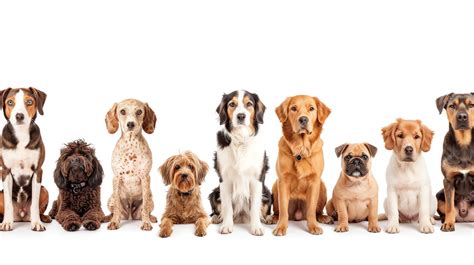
(43, 205)
(299, 189)
(73, 208)
(183, 201)
(355, 199)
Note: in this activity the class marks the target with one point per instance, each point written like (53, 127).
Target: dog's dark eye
(400, 136)
(191, 167)
(452, 106)
(311, 108)
(348, 157)
(29, 102)
(232, 104)
(249, 104)
(365, 157)
(139, 112)
(123, 112)
(417, 137)
(10, 103)
(293, 108)
(177, 167)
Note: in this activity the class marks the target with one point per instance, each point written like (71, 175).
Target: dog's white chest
(21, 160)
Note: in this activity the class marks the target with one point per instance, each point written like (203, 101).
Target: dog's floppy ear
(95, 179)
(372, 149)
(59, 177)
(259, 108)
(340, 149)
(388, 134)
(4, 94)
(149, 120)
(40, 98)
(166, 170)
(111, 120)
(282, 110)
(323, 110)
(442, 102)
(201, 170)
(426, 138)
(222, 110)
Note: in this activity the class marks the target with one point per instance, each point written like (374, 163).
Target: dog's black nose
(241, 117)
(462, 116)
(408, 150)
(130, 125)
(20, 116)
(184, 176)
(357, 161)
(303, 120)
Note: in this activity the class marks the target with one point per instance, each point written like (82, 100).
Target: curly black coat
(78, 176)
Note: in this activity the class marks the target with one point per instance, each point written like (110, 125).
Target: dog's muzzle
(356, 167)
(462, 121)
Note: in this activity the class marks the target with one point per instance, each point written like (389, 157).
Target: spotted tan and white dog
(131, 163)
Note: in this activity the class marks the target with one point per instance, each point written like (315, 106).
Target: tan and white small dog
(131, 163)
(409, 195)
(355, 196)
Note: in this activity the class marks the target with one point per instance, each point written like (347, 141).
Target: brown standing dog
(299, 189)
(355, 197)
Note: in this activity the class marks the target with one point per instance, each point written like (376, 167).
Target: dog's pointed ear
(40, 98)
(323, 110)
(149, 120)
(4, 94)
(201, 171)
(442, 102)
(166, 170)
(222, 110)
(95, 179)
(426, 137)
(59, 175)
(282, 110)
(111, 120)
(372, 149)
(259, 108)
(340, 149)
(388, 134)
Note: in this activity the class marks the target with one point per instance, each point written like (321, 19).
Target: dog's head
(184, 171)
(407, 139)
(132, 116)
(356, 159)
(20, 105)
(241, 110)
(77, 163)
(459, 108)
(303, 114)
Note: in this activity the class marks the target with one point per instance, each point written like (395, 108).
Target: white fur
(240, 166)
(409, 193)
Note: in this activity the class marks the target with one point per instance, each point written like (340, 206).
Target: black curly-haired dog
(78, 176)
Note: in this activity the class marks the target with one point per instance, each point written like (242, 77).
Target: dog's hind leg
(44, 200)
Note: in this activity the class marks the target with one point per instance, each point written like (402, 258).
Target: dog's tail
(383, 217)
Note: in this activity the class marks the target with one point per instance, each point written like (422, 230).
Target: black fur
(223, 140)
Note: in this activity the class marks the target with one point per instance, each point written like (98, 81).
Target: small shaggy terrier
(184, 173)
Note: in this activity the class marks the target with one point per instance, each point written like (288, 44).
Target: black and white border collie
(241, 163)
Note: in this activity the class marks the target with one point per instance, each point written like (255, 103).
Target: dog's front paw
(113, 226)
(314, 229)
(447, 227)
(341, 228)
(153, 219)
(215, 219)
(280, 230)
(326, 219)
(146, 226)
(268, 220)
(166, 232)
(71, 225)
(393, 229)
(200, 232)
(275, 219)
(91, 225)
(6, 226)
(257, 230)
(226, 229)
(374, 228)
(38, 227)
(426, 228)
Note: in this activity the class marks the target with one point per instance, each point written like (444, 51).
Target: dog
(78, 175)
(457, 162)
(355, 196)
(185, 173)
(409, 195)
(241, 164)
(463, 199)
(299, 189)
(131, 163)
(22, 156)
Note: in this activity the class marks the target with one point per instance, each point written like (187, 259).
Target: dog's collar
(76, 187)
(188, 193)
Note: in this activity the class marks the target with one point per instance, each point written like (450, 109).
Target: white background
(369, 61)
